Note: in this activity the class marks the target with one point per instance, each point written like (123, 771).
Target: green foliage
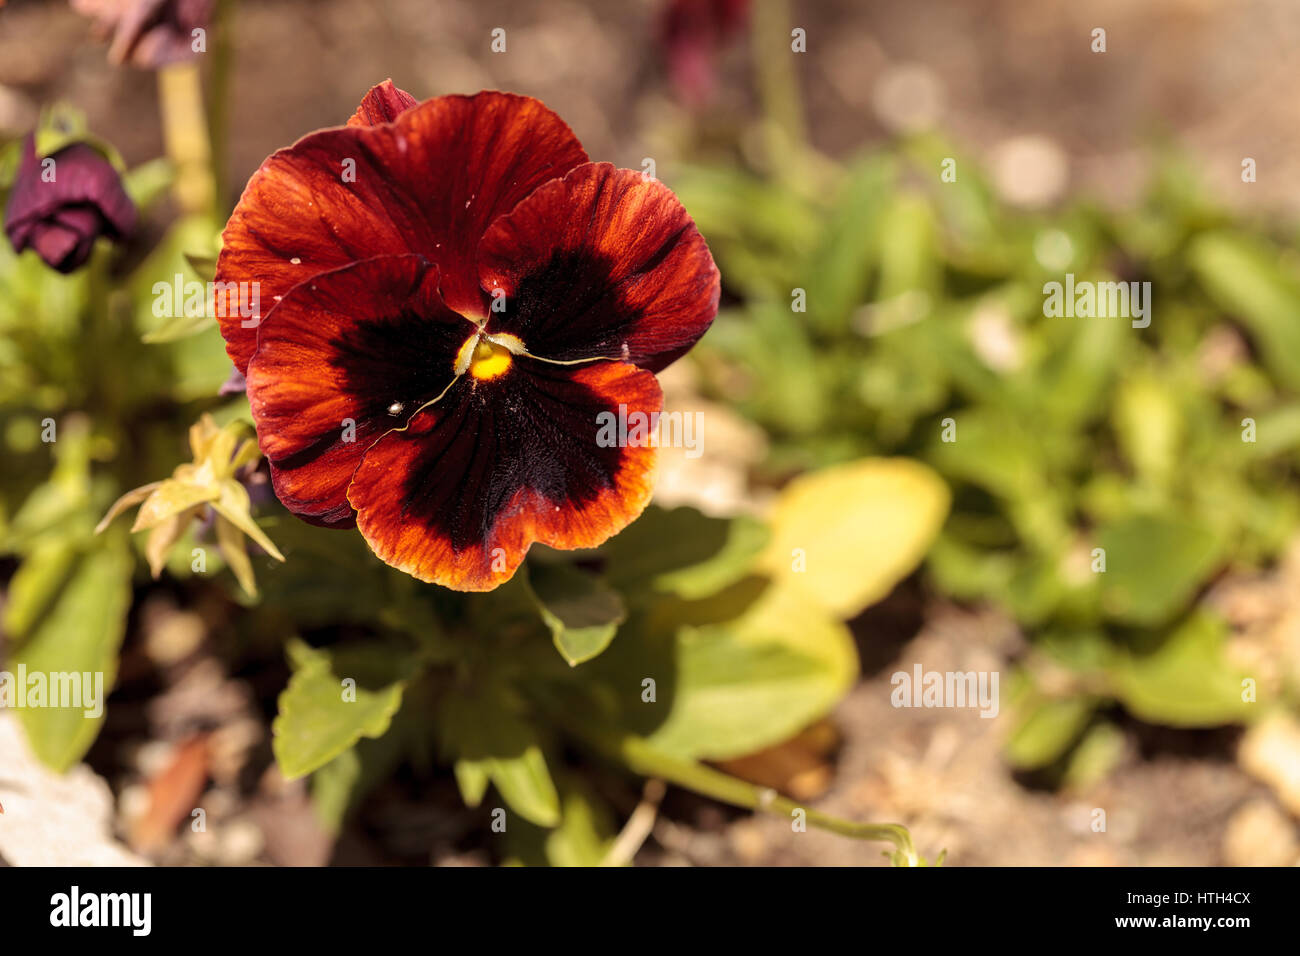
(677, 636)
(1102, 475)
(582, 611)
(753, 680)
(326, 709)
(1183, 679)
(1154, 566)
(68, 600)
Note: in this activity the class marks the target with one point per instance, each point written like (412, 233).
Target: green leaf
(908, 260)
(81, 634)
(965, 572)
(203, 262)
(756, 228)
(582, 611)
(37, 583)
(487, 738)
(1148, 423)
(318, 718)
(329, 579)
(1277, 431)
(1095, 756)
(752, 682)
(793, 394)
(179, 327)
(193, 347)
(585, 833)
(338, 788)
(472, 780)
(1075, 382)
(844, 536)
(583, 837)
(525, 784)
(684, 551)
(1154, 566)
(842, 266)
(149, 181)
(333, 786)
(1185, 680)
(746, 539)
(1046, 729)
(1243, 276)
(993, 450)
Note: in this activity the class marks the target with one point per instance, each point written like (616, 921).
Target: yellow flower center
(489, 360)
(487, 357)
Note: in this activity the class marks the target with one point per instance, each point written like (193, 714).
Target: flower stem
(185, 134)
(223, 23)
(778, 86)
(694, 776)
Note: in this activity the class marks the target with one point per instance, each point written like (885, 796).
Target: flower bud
(61, 204)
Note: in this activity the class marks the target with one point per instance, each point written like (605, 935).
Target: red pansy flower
(452, 295)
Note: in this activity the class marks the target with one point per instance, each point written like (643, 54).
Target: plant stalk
(708, 782)
(185, 135)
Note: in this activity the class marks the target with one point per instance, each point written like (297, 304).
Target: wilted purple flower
(691, 32)
(61, 208)
(148, 33)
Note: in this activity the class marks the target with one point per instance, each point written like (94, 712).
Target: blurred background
(820, 171)
(989, 74)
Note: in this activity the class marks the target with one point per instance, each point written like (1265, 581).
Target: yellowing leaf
(161, 539)
(132, 497)
(170, 499)
(209, 480)
(233, 550)
(234, 506)
(844, 536)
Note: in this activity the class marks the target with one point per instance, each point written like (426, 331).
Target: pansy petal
(430, 182)
(458, 497)
(383, 104)
(603, 262)
(347, 356)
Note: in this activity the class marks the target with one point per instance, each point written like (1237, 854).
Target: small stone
(1270, 751)
(240, 841)
(1260, 834)
(1030, 171)
(908, 97)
